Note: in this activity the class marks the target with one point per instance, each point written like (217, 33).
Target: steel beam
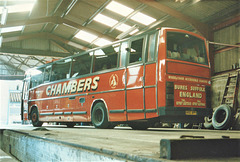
(227, 23)
(12, 66)
(63, 7)
(44, 35)
(227, 48)
(33, 52)
(55, 20)
(70, 43)
(11, 77)
(30, 21)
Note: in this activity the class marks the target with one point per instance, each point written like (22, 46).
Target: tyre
(99, 116)
(35, 118)
(222, 117)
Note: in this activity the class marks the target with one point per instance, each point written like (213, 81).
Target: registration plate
(191, 112)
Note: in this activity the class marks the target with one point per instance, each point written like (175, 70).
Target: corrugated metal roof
(62, 19)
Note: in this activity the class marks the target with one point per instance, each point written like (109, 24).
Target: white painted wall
(5, 86)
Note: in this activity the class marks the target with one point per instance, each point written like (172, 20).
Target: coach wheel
(35, 118)
(99, 116)
(222, 117)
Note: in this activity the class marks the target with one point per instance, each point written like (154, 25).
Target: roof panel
(157, 14)
(176, 4)
(119, 8)
(94, 3)
(84, 43)
(17, 16)
(173, 23)
(33, 28)
(44, 8)
(48, 27)
(132, 4)
(64, 30)
(86, 36)
(105, 20)
(83, 10)
(38, 44)
(15, 44)
(205, 9)
(79, 19)
(101, 28)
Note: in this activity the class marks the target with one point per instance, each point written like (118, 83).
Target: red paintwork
(187, 69)
(114, 94)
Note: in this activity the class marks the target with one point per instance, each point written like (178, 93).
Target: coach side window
(81, 65)
(106, 58)
(136, 51)
(151, 48)
(36, 77)
(60, 69)
(47, 73)
(123, 54)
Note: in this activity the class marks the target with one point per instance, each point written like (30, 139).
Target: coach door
(135, 80)
(150, 74)
(24, 102)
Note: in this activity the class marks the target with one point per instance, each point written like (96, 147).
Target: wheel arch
(97, 101)
(31, 109)
(35, 116)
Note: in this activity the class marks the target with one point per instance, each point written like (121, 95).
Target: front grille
(169, 94)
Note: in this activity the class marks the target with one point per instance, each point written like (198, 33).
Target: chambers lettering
(73, 86)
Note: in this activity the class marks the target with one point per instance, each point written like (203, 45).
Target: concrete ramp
(121, 144)
(26, 147)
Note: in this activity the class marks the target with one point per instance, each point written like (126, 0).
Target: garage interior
(36, 32)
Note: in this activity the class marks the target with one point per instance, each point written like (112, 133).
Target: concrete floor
(123, 139)
(6, 158)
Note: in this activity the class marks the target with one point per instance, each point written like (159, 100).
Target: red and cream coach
(159, 76)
